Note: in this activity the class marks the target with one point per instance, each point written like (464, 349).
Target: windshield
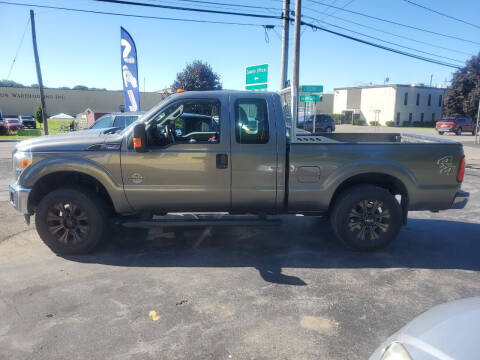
(12, 121)
(153, 110)
(27, 118)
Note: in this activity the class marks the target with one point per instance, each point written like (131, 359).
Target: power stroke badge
(446, 165)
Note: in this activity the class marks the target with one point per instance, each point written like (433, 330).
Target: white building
(402, 104)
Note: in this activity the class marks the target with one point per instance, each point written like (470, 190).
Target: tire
(328, 130)
(458, 131)
(440, 133)
(364, 234)
(70, 222)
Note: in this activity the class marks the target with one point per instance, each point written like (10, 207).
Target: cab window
(191, 121)
(251, 121)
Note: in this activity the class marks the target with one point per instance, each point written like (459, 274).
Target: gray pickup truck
(229, 152)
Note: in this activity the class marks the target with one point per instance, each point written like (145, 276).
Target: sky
(84, 49)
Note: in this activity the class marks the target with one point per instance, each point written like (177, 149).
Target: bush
(390, 123)
(29, 132)
(338, 118)
(359, 122)
(424, 123)
(375, 123)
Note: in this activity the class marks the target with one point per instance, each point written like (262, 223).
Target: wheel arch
(386, 181)
(58, 179)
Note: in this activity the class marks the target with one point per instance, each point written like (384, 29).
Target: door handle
(222, 161)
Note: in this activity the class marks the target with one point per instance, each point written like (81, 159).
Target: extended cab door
(253, 153)
(191, 171)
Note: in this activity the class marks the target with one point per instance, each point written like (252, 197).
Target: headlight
(396, 351)
(21, 160)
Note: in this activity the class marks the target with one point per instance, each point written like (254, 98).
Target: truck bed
(366, 138)
(426, 166)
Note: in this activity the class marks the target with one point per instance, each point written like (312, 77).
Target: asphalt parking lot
(287, 292)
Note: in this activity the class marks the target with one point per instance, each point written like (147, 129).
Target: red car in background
(12, 125)
(455, 124)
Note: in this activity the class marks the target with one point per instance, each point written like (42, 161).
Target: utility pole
(431, 78)
(285, 34)
(296, 65)
(39, 74)
(477, 127)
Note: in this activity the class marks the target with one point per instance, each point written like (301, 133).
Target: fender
(380, 166)
(85, 166)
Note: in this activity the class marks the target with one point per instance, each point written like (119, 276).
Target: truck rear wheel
(366, 217)
(71, 222)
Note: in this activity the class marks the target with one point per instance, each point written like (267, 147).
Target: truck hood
(445, 332)
(73, 141)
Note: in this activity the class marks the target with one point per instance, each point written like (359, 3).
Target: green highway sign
(257, 74)
(310, 98)
(256, 87)
(312, 88)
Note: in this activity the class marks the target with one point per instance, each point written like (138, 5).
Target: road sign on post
(310, 98)
(256, 77)
(312, 88)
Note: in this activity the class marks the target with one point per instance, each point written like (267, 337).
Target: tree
(10, 83)
(38, 114)
(197, 76)
(463, 95)
(80, 87)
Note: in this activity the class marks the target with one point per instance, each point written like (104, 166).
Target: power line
(232, 23)
(438, 62)
(441, 13)
(336, 10)
(18, 49)
(386, 41)
(181, 8)
(392, 34)
(397, 23)
(228, 4)
(131, 15)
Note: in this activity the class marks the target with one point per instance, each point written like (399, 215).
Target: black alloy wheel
(366, 217)
(72, 220)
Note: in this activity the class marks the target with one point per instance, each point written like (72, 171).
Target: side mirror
(140, 138)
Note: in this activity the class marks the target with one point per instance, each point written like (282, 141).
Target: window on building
(398, 118)
(405, 99)
(440, 100)
(418, 99)
(429, 99)
(251, 121)
(410, 117)
(422, 116)
(433, 117)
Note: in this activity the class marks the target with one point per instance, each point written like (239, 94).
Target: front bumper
(19, 198)
(461, 200)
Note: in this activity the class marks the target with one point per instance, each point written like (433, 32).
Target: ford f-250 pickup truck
(229, 152)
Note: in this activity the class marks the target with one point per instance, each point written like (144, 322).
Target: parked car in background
(13, 125)
(118, 120)
(455, 124)
(323, 123)
(27, 121)
(446, 331)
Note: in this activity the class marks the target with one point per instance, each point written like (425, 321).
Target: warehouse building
(399, 104)
(16, 101)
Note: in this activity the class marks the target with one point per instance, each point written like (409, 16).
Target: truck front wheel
(69, 221)
(366, 217)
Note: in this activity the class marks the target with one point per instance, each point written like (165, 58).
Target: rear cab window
(251, 121)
